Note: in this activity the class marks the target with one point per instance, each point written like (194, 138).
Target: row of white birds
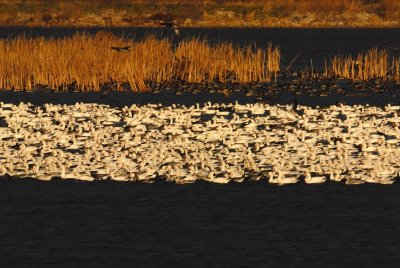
(218, 143)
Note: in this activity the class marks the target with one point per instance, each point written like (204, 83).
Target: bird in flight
(169, 26)
(122, 49)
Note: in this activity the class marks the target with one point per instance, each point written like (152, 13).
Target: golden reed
(88, 62)
(374, 63)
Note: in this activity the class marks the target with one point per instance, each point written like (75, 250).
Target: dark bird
(168, 27)
(122, 49)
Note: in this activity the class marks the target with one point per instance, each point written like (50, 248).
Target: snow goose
(309, 179)
(66, 175)
(280, 178)
(219, 179)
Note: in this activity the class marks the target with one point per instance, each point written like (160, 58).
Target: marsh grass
(88, 63)
(374, 63)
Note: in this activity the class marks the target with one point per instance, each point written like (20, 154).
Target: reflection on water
(316, 44)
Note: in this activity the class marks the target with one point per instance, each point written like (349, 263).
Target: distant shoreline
(202, 14)
(205, 25)
(202, 27)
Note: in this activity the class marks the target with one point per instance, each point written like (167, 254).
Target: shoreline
(253, 13)
(156, 26)
(215, 26)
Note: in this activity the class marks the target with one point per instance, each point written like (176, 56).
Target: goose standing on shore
(168, 26)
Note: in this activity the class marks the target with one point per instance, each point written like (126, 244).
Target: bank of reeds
(375, 63)
(88, 63)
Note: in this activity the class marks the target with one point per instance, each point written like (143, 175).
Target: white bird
(219, 179)
(66, 175)
(309, 179)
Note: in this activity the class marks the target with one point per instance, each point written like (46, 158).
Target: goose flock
(217, 143)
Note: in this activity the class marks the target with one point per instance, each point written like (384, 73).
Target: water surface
(199, 225)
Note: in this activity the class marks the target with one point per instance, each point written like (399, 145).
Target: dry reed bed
(88, 62)
(372, 64)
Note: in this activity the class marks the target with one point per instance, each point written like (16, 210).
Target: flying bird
(122, 49)
(168, 27)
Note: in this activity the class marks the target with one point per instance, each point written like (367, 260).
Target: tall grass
(374, 63)
(88, 62)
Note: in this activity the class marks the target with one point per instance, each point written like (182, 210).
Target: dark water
(120, 99)
(316, 44)
(201, 225)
